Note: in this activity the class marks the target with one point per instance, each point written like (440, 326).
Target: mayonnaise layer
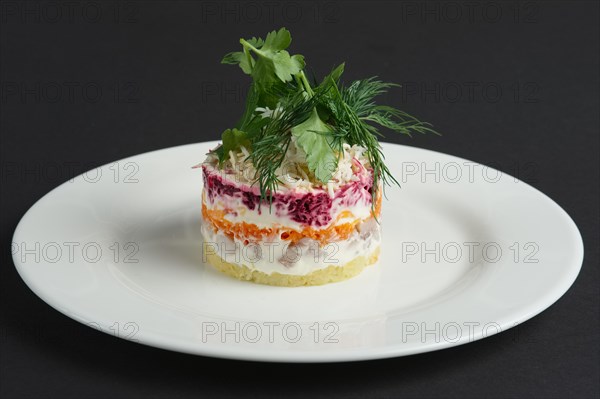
(281, 256)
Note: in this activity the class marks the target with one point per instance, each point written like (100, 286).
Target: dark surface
(164, 58)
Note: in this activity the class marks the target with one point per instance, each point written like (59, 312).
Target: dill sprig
(352, 129)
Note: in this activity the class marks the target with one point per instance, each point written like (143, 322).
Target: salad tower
(292, 195)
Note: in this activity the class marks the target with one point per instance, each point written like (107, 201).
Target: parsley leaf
(232, 139)
(272, 63)
(243, 58)
(312, 136)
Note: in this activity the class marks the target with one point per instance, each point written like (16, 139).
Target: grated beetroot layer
(311, 209)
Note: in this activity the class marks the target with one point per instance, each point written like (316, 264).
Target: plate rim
(150, 338)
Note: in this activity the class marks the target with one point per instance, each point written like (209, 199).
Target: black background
(146, 75)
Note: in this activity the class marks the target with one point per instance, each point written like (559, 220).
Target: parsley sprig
(320, 117)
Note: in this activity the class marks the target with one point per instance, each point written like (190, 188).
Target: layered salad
(292, 196)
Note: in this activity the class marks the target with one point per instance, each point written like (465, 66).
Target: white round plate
(467, 252)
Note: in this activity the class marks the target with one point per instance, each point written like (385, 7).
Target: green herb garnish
(321, 117)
